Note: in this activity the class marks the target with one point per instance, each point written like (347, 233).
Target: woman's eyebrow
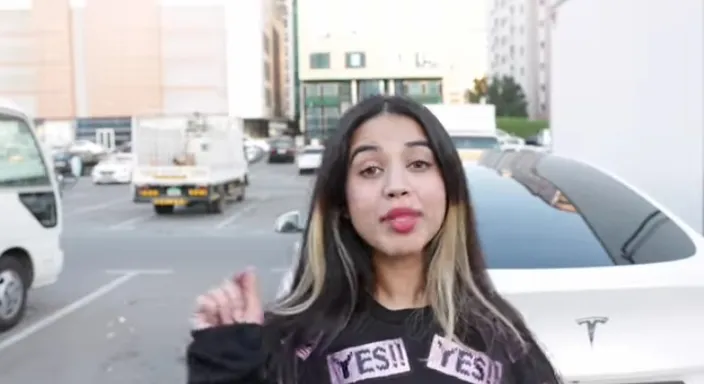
(375, 148)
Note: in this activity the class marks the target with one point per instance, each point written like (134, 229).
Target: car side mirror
(289, 222)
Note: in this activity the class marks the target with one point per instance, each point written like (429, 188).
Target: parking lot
(119, 313)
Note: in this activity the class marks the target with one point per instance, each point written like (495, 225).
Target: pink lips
(402, 220)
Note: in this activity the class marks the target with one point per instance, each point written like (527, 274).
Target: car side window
(632, 230)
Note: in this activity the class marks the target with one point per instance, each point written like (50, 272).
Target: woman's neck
(400, 284)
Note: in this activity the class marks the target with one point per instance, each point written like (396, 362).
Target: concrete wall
(627, 94)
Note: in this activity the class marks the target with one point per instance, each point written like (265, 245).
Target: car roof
(11, 107)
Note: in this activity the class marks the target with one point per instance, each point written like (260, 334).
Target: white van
(30, 224)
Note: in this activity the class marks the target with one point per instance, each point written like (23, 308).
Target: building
(427, 50)
(519, 43)
(285, 10)
(103, 61)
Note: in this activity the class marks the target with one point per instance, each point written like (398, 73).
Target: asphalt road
(119, 313)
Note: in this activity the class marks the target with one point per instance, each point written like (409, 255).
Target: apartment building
(428, 50)
(103, 61)
(519, 43)
(285, 12)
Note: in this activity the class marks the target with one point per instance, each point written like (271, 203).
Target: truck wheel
(163, 209)
(241, 195)
(218, 205)
(13, 292)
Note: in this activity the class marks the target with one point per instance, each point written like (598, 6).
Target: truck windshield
(475, 142)
(21, 163)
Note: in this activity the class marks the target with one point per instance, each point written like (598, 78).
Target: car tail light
(43, 207)
(198, 191)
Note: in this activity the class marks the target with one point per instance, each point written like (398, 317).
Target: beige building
(429, 50)
(519, 47)
(107, 58)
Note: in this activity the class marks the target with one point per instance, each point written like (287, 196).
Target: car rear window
(282, 143)
(313, 151)
(538, 211)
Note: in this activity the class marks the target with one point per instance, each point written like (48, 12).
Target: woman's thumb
(250, 292)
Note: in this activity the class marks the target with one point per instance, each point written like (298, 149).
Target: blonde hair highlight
(449, 262)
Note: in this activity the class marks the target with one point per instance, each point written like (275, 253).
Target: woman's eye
(419, 164)
(370, 171)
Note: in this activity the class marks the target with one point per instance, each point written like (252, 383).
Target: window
(368, 88)
(331, 117)
(412, 88)
(319, 60)
(314, 118)
(311, 90)
(547, 212)
(267, 71)
(434, 87)
(21, 163)
(475, 142)
(355, 60)
(330, 89)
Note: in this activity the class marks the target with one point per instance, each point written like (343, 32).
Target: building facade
(430, 51)
(107, 59)
(519, 47)
(285, 11)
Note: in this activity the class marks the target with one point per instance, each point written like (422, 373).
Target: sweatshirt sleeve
(232, 354)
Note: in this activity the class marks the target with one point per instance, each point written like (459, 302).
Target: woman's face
(395, 192)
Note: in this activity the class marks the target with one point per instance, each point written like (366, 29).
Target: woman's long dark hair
(334, 266)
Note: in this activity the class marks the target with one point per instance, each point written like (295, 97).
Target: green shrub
(521, 127)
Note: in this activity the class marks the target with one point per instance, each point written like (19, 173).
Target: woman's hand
(235, 301)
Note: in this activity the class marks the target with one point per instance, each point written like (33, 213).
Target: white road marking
(96, 207)
(139, 271)
(129, 223)
(66, 311)
(240, 212)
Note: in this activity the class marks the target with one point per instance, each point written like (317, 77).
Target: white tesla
(609, 280)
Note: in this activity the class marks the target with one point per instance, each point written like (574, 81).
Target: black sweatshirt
(380, 347)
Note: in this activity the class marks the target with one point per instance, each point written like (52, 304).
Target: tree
(508, 97)
(478, 92)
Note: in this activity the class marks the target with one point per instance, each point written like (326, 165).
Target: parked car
(90, 153)
(309, 158)
(61, 158)
(609, 280)
(541, 139)
(283, 150)
(261, 144)
(115, 169)
(31, 225)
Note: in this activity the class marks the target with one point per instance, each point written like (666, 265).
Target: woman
(391, 285)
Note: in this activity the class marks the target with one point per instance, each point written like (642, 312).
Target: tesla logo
(591, 323)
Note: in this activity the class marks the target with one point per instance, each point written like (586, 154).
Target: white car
(87, 146)
(309, 158)
(31, 224)
(115, 169)
(262, 144)
(610, 281)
